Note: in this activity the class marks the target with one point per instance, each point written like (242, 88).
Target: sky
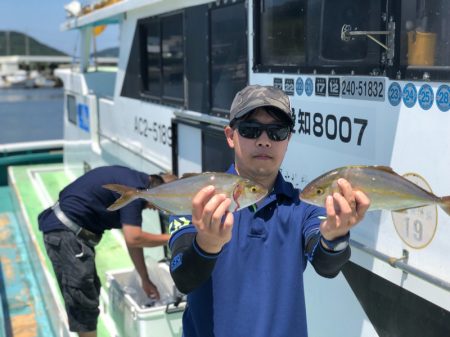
(42, 20)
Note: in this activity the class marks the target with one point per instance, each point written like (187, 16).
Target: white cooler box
(133, 312)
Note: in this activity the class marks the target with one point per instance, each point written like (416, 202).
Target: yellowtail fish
(385, 188)
(176, 197)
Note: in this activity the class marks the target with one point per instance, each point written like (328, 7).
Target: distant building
(19, 51)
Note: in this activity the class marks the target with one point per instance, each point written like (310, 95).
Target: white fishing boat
(369, 83)
(43, 82)
(18, 79)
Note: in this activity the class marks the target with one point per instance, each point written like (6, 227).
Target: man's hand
(150, 289)
(212, 219)
(344, 210)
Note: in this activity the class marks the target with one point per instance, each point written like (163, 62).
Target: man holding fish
(242, 271)
(74, 226)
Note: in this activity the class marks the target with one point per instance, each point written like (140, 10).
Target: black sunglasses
(252, 130)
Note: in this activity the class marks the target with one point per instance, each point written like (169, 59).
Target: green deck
(110, 252)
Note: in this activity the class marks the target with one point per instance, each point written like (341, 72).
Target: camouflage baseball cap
(256, 96)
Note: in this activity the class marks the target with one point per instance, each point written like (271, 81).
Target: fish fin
(128, 194)
(159, 208)
(401, 210)
(445, 204)
(189, 174)
(384, 168)
(404, 210)
(121, 189)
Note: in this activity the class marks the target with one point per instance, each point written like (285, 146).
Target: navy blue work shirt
(256, 287)
(85, 201)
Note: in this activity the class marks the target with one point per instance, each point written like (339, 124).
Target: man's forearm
(136, 237)
(152, 240)
(190, 267)
(137, 256)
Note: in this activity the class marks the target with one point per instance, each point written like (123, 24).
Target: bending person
(74, 226)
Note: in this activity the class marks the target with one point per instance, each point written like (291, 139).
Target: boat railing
(31, 146)
(37, 152)
(402, 264)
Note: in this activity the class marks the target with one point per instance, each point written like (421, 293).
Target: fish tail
(445, 204)
(127, 195)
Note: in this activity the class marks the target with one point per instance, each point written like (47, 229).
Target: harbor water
(31, 114)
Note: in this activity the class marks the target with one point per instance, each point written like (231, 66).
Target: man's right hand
(151, 290)
(212, 219)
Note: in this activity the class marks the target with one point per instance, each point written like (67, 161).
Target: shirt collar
(232, 170)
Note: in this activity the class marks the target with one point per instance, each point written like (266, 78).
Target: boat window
(228, 55)
(173, 57)
(334, 16)
(72, 109)
(152, 82)
(425, 39)
(282, 32)
(305, 36)
(195, 58)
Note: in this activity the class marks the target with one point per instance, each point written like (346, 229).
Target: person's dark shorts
(74, 265)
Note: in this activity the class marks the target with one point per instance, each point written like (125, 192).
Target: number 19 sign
(416, 226)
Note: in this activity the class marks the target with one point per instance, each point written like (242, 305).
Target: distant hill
(15, 43)
(108, 52)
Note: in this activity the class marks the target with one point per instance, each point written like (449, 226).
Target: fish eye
(253, 189)
(319, 191)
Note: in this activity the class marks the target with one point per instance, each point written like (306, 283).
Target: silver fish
(176, 197)
(385, 188)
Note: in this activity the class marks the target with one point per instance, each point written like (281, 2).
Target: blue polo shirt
(85, 201)
(256, 287)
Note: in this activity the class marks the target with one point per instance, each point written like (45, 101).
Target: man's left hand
(344, 210)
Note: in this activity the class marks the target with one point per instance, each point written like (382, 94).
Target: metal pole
(400, 264)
